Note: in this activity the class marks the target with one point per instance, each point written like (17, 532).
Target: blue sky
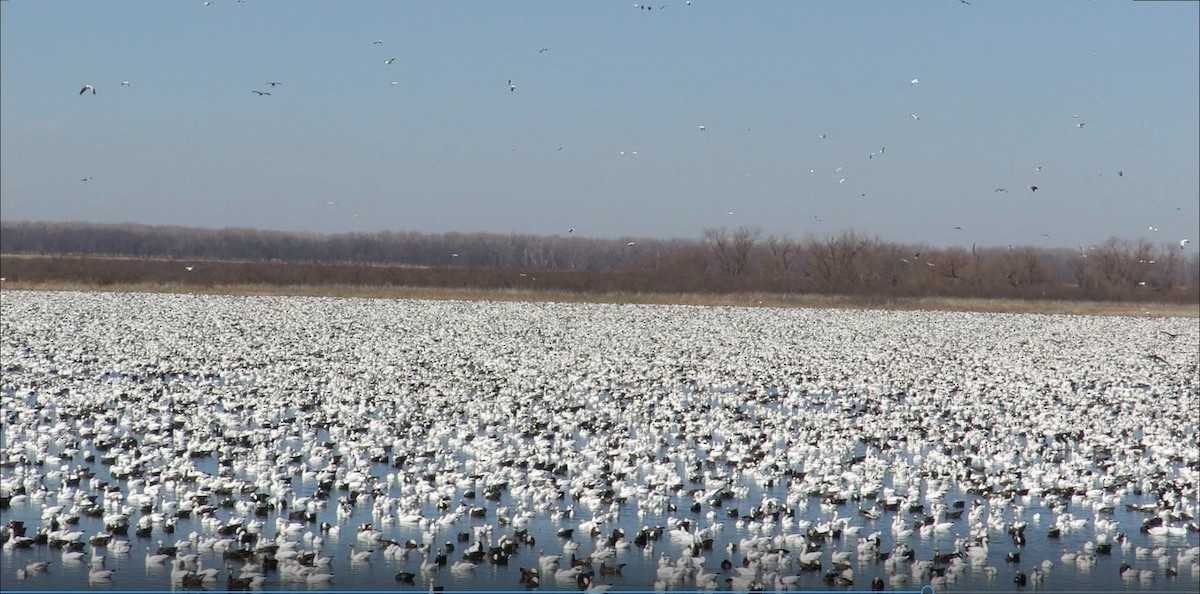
(449, 147)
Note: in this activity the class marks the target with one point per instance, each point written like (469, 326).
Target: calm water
(640, 563)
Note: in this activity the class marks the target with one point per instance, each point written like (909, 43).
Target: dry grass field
(98, 273)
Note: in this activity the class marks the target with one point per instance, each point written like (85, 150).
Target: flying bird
(1005, 190)
(702, 128)
(914, 116)
(260, 93)
(543, 50)
(631, 244)
(512, 86)
(377, 42)
(274, 83)
(124, 83)
(189, 268)
(1033, 188)
(914, 81)
(87, 88)
(389, 61)
(1183, 243)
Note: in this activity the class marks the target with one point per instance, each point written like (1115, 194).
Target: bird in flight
(377, 42)
(914, 116)
(189, 268)
(1183, 243)
(1005, 190)
(260, 93)
(914, 81)
(1033, 188)
(86, 179)
(124, 83)
(702, 128)
(543, 50)
(965, 2)
(389, 61)
(274, 83)
(512, 86)
(631, 244)
(87, 88)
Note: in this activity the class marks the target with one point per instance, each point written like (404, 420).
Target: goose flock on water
(156, 441)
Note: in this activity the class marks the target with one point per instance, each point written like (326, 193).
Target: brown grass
(696, 299)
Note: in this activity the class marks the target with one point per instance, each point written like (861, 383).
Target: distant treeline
(721, 261)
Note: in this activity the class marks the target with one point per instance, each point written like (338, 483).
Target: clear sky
(793, 97)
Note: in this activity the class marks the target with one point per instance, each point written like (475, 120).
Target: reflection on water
(640, 564)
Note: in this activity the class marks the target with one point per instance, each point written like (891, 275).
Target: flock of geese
(247, 442)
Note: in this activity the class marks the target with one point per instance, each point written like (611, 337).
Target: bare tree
(784, 254)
